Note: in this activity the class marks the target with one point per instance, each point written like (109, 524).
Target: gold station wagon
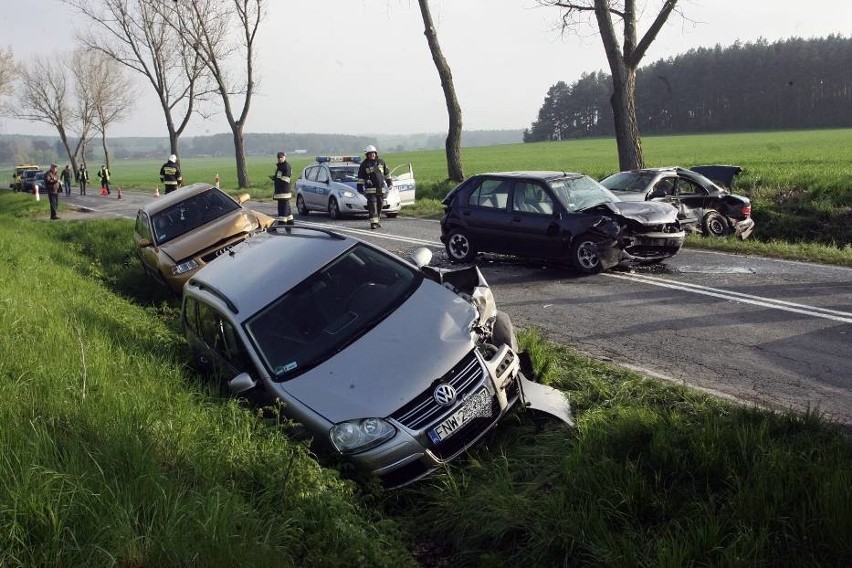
(179, 233)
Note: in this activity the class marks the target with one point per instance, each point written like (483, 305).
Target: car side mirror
(243, 197)
(241, 384)
(421, 257)
(143, 242)
(657, 193)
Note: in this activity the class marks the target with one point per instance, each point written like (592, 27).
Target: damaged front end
(497, 341)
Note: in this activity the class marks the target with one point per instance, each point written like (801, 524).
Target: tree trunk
(627, 138)
(455, 171)
(106, 151)
(240, 153)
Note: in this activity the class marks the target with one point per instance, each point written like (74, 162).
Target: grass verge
(113, 452)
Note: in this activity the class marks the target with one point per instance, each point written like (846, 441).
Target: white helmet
(370, 148)
(173, 158)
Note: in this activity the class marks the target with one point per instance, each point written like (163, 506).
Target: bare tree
(623, 61)
(8, 73)
(223, 33)
(110, 92)
(136, 34)
(48, 95)
(455, 171)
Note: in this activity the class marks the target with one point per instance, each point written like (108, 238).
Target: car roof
(169, 199)
(258, 270)
(540, 175)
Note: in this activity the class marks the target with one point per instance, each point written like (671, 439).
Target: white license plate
(477, 405)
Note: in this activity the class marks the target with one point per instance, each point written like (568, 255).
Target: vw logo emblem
(444, 394)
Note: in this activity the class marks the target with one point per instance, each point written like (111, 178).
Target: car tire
(300, 206)
(584, 255)
(715, 225)
(459, 247)
(333, 209)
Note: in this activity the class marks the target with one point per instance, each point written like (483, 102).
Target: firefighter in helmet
(282, 193)
(170, 175)
(373, 180)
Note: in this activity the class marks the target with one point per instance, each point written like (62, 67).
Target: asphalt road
(770, 332)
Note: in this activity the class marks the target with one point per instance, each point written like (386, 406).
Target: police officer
(170, 175)
(373, 179)
(282, 193)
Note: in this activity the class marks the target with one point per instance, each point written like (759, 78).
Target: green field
(113, 452)
(817, 161)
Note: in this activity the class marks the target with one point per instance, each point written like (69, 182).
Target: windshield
(344, 173)
(190, 214)
(629, 181)
(330, 309)
(580, 193)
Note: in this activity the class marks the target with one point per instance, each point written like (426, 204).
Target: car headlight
(184, 267)
(347, 194)
(355, 436)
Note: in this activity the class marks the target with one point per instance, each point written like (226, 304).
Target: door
(535, 231)
(689, 198)
(486, 215)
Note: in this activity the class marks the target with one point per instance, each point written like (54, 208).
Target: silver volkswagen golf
(396, 366)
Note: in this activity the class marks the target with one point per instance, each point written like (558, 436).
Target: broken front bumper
(743, 229)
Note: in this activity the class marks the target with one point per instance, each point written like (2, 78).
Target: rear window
(190, 214)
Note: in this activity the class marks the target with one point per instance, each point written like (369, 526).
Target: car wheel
(300, 205)
(584, 255)
(715, 225)
(333, 209)
(459, 246)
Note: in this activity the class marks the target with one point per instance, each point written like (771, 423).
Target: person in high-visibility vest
(373, 180)
(170, 174)
(281, 192)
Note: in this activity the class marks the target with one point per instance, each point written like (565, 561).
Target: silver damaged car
(395, 366)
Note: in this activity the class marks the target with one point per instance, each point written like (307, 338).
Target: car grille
(220, 250)
(423, 410)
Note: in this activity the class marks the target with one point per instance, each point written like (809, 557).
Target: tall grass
(112, 452)
(653, 475)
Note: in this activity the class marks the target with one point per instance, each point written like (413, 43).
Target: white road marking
(803, 309)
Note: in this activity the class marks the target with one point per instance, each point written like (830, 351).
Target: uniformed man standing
(373, 179)
(104, 175)
(170, 175)
(282, 193)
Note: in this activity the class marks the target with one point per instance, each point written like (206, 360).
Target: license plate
(477, 405)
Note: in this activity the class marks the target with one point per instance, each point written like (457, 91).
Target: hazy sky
(363, 66)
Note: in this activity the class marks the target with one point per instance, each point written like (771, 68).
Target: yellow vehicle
(19, 174)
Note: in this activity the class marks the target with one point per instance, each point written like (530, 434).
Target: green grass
(113, 451)
(653, 475)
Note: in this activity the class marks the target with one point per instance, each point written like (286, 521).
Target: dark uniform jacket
(281, 179)
(170, 175)
(373, 176)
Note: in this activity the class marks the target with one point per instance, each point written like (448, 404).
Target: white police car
(330, 185)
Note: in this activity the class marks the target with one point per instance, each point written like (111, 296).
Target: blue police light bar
(323, 159)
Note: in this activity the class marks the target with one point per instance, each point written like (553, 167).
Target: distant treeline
(793, 83)
(44, 149)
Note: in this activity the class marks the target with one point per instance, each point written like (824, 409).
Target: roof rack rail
(276, 227)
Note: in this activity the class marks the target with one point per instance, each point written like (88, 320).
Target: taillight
(746, 211)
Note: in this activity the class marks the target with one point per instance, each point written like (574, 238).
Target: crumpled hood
(209, 235)
(393, 362)
(645, 212)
